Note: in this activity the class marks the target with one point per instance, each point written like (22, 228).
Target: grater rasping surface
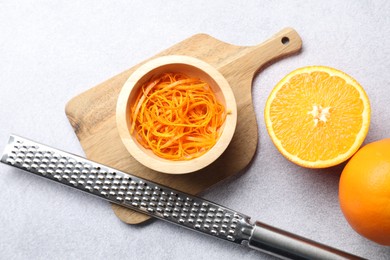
(161, 202)
(127, 190)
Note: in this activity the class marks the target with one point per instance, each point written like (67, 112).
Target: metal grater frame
(128, 190)
(161, 202)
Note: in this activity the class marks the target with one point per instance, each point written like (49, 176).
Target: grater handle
(289, 246)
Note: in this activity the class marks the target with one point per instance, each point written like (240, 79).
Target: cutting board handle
(286, 42)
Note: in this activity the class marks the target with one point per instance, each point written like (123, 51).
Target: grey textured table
(52, 51)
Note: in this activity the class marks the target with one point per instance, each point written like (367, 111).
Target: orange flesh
(177, 117)
(317, 117)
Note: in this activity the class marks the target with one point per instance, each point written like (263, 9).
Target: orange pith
(317, 116)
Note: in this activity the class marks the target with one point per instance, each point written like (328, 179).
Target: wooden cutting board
(92, 113)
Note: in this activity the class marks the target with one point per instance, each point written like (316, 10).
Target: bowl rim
(171, 166)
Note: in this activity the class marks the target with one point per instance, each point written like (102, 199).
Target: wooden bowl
(194, 68)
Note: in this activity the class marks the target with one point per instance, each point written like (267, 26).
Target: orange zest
(177, 117)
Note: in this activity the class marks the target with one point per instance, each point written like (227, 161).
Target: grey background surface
(50, 51)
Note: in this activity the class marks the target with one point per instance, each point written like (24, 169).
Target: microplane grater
(160, 201)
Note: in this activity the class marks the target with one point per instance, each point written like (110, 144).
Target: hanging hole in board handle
(285, 40)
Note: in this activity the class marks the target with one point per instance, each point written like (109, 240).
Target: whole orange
(364, 191)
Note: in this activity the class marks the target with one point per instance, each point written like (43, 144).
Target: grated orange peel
(177, 117)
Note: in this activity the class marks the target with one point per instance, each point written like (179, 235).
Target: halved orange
(317, 116)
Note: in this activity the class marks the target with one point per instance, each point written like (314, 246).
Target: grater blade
(127, 190)
(160, 201)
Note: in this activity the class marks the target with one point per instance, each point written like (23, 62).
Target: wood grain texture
(92, 113)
